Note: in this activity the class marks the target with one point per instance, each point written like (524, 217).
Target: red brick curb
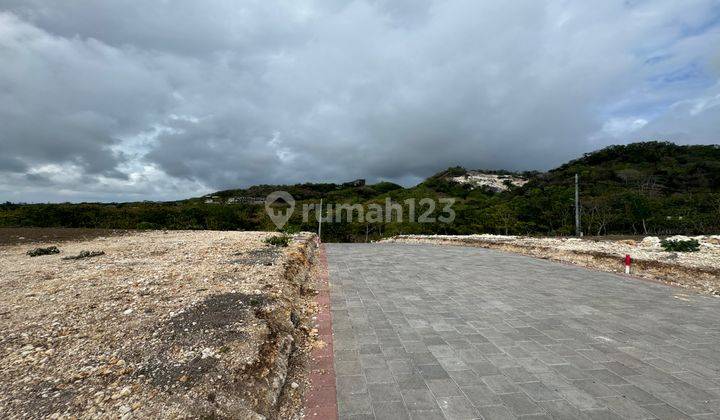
(320, 399)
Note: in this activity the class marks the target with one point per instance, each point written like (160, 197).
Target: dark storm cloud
(11, 164)
(129, 100)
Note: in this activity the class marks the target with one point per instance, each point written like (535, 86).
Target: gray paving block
(400, 367)
(686, 405)
(570, 372)
(426, 415)
(378, 375)
(415, 347)
(354, 404)
(370, 349)
(626, 408)
(601, 414)
(535, 417)
(345, 355)
(487, 349)
(441, 351)
(594, 388)
(423, 358)
(432, 372)
(582, 362)
(500, 384)
(518, 374)
(580, 399)
(457, 408)
(636, 394)
(480, 333)
(496, 412)
(620, 369)
(390, 411)
(539, 391)
(347, 367)
(484, 368)
(452, 363)
(444, 388)
(353, 384)
(411, 381)
(384, 392)
(562, 410)
(395, 353)
(419, 399)
(480, 395)
(503, 361)
(553, 380)
(607, 377)
(520, 404)
(364, 416)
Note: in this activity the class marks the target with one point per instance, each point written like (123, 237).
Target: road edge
(321, 398)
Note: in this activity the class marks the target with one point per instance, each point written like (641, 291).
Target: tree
(502, 217)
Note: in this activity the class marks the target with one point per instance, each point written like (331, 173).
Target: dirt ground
(176, 325)
(699, 271)
(15, 236)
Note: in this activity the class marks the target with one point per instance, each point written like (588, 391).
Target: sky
(127, 100)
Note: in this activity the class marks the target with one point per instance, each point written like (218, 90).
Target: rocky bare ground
(699, 271)
(173, 325)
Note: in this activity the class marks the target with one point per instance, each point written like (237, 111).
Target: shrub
(282, 240)
(291, 230)
(43, 251)
(146, 226)
(680, 246)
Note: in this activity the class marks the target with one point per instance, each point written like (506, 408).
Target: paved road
(451, 332)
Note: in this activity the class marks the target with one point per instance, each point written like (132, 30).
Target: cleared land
(699, 271)
(14, 236)
(177, 324)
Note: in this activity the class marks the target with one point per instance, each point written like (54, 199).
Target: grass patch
(680, 246)
(282, 240)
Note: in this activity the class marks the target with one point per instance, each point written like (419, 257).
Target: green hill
(643, 188)
(651, 187)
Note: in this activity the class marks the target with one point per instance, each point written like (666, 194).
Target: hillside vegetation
(654, 188)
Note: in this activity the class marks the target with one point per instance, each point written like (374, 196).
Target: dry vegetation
(176, 324)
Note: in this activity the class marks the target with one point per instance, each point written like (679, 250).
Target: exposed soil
(699, 271)
(15, 236)
(179, 324)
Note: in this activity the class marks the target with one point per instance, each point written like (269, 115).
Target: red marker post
(628, 260)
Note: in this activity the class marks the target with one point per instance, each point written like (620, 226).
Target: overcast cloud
(130, 100)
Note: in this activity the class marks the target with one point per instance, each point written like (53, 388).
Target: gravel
(157, 326)
(647, 249)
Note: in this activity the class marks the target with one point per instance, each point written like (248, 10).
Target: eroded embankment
(701, 279)
(269, 383)
(164, 324)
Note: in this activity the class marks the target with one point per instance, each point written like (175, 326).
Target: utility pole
(577, 206)
(320, 222)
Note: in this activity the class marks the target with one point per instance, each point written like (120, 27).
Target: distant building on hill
(246, 200)
(356, 183)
